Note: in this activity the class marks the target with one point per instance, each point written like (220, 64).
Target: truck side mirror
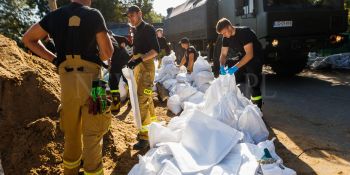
(239, 7)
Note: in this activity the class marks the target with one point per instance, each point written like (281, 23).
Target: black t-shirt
(145, 39)
(190, 50)
(242, 37)
(164, 45)
(120, 58)
(75, 40)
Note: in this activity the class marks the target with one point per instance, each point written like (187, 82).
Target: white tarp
(129, 75)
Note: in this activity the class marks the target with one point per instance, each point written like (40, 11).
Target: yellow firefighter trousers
(144, 75)
(83, 132)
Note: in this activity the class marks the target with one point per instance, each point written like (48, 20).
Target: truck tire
(290, 65)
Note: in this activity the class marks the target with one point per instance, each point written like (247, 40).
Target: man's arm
(183, 61)
(249, 54)
(31, 39)
(223, 55)
(149, 55)
(190, 62)
(105, 45)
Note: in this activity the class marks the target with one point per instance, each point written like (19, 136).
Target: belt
(69, 69)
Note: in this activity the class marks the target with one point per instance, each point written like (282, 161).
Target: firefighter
(164, 47)
(190, 56)
(146, 48)
(249, 50)
(119, 59)
(82, 43)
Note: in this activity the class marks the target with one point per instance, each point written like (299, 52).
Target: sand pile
(30, 139)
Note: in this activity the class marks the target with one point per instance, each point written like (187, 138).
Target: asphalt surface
(309, 115)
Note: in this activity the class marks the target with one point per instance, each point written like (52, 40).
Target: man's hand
(222, 70)
(134, 62)
(232, 70)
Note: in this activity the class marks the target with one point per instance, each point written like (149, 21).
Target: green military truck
(287, 29)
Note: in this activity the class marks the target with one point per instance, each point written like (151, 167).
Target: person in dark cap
(146, 48)
(164, 47)
(190, 55)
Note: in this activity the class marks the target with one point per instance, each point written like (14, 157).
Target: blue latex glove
(222, 70)
(232, 70)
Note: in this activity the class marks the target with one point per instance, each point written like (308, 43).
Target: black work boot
(141, 145)
(115, 107)
(259, 103)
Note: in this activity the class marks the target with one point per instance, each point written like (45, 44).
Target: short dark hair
(222, 23)
(184, 40)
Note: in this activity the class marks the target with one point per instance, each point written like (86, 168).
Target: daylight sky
(160, 6)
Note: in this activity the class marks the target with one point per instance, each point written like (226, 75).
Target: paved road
(310, 116)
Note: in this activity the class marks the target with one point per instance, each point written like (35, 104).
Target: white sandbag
(151, 163)
(168, 84)
(185, 91)
(229, 166)
(181, 77)
(167, 72)
(159, 134)
(205, 142)
(220, 87)
(129, 75)
(204, 87)
(251, 122)
(174, 104)
(169, 168)
(250, 155)
(201, 65)
(123, 90)
(271, 147)
(203, 77)
(166, 60)
(144, 167)
(196, 98)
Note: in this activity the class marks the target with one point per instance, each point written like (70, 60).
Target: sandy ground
(310, 116)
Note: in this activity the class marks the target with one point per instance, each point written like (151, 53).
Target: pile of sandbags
(184, 87)
(222, 135)
(202, 74)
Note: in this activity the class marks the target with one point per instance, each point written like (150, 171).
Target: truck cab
(287, 29)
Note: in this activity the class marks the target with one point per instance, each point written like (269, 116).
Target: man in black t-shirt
(249, 51)
(190, 55)
(164, 47)
(82, 43)
(146, 48)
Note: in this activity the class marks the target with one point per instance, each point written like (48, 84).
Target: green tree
(15, 17)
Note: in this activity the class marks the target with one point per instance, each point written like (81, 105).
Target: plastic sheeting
(129, 75)
(337, 61)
